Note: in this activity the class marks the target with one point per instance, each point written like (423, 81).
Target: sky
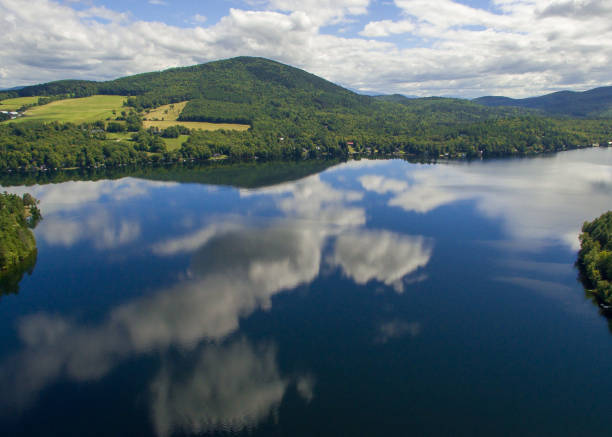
(461, 48)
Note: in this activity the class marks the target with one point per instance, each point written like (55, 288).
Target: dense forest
(17, 243)
(595, 257)
(293, 115)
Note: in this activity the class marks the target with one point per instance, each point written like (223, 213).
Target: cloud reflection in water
(235, 270)
(540, 201)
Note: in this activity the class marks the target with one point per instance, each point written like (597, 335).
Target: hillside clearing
(15, 104)
(175, 143)
(82, 110)
(195, 125)
(165, 112)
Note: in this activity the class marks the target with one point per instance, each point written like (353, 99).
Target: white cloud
(323, 11)
(199, 18)
(387, 27)
(523, 47)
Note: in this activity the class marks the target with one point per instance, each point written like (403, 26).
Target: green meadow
(82, 110)
(166, 116)
(196, 125)
(15, 104)
(175, 143)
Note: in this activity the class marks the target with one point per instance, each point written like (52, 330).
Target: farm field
(119, 136)
(195, 125)
(82, 110)
(15, 104)
(175, 143)
(167, 115)
(171, 143)
(165, 112)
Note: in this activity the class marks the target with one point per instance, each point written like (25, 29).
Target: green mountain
(293, 115)
(593, 103)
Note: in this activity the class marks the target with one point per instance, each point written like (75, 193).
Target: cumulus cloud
(516, 48)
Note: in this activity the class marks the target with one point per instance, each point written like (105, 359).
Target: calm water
(372, 298)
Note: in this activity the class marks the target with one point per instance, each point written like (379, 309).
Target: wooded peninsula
(17, 243)
(595, 258)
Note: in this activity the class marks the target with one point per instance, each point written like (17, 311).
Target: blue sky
(465, 48)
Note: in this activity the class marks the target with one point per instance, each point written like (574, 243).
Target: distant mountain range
(17, 88)
(593, 103)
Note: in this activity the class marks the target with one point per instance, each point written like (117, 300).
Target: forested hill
(243, 80)
(290, 113)
(244, 89)
(595, 257)
(593, 103)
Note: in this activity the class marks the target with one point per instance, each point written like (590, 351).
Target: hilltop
(245, 108)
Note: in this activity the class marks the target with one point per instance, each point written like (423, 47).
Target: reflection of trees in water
(604, 311)
(10, 279)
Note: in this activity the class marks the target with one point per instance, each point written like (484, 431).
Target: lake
(363, 298)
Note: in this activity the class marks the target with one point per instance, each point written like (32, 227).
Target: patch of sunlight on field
(167, 115)
(166, 112)
(16, 103)
(195, 125)
(82, 110)
(175, 143)
(119, 136)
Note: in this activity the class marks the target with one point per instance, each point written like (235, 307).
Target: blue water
(373, 298)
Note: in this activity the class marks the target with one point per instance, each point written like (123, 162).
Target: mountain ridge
(292, 114)
(596, 102)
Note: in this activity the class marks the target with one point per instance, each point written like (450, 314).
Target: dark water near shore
(373, 298)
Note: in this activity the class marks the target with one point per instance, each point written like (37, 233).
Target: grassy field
(166, 112)
(195, 125)
(119, 136)
(171, 143)
(84, 110)
(15, 104)
(175, 143)
(167, 115)
(89, 109)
